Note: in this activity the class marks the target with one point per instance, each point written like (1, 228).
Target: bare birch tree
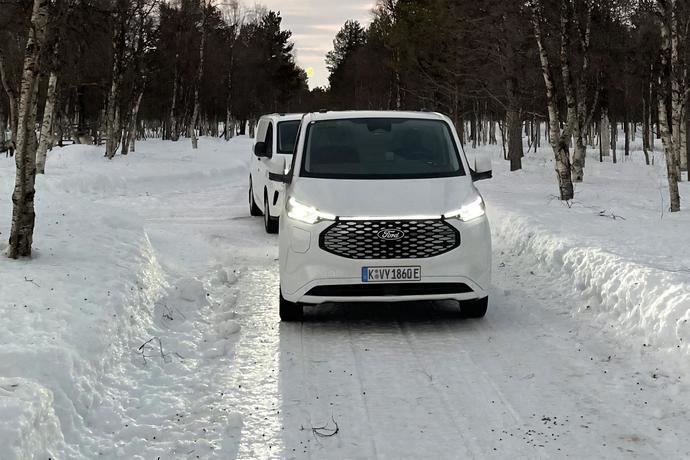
(48, 112)
(234, 20)
(113, 120)
(23, 214)
(581, 117)
(199, 76)
(559, 138)
(673, 91)
(11, 95)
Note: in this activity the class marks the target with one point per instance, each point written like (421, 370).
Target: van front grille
(389, 239)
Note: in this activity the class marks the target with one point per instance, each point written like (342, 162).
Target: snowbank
(34, 427)
(96, 336)
(112, 336)
(615, 249)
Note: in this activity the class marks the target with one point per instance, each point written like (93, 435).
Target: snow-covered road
(531, 380)
(416, 380)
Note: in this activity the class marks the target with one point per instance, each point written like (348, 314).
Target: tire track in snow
(321, 382)
(464, 429)
(408, 418)
(253, 378)
(362, 392)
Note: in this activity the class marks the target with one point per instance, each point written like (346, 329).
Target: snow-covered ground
(615, 250)
(146, 325)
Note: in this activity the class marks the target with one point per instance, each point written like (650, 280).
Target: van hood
(385, 198)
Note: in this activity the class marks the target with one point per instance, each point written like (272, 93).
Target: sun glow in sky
(314, 24)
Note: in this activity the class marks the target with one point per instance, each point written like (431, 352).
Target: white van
(273, 146)
(381, 206)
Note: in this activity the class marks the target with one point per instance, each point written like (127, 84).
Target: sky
(314, 24)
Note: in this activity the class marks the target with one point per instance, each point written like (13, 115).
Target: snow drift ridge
(640, 300)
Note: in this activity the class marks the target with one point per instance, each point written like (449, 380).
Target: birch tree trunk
(514, 126)
(687, 144)
(134, 122)
(113, 121)
(670, 97)
(605, 133)
(645, 129)
(614, 140)
(515, 150)
(3, 126)
(626, 131)
(11, 96)
(683, 147)
(113, 128)
(174, 130)
(229, 125)
(678, 86)
(558, 138)
(197, 84)
(582, 119)
(23, 214)
(126, 121)
(47, 125)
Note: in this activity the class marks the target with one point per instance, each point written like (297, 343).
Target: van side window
(269, 139)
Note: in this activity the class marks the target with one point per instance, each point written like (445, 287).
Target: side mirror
(282, 178)
(260, 150)
(482, 168)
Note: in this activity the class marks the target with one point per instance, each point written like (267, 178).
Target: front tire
(290, 311)
(253, 208)
(474, 308)
(270, 223)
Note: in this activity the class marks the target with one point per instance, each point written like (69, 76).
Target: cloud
(314, 24)
(333, 28)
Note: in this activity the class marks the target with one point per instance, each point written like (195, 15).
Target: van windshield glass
(287, 133)
(380, 148)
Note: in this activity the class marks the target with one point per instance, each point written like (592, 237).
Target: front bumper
(311, 275)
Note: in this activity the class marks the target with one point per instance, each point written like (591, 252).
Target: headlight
(470, 211)
(306, 214)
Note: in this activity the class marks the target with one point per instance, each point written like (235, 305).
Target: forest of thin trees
(112, 72)
(587, 69)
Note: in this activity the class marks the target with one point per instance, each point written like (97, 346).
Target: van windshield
(380, 148)
(287, 134)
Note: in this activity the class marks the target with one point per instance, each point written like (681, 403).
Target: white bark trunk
(670, 129)
(23, 214)
(134, 123)
(200, 74)
(113, 116)
(229, 123)
(683, 149)
(11, 96)
(558, 139)
(47, 125)
(174, 134)
(605, 128)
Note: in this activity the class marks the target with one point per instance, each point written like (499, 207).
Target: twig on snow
(611, 215)
(325, 431)
(31, 281)
(142, 350)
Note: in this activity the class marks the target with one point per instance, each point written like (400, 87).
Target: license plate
(385, 274)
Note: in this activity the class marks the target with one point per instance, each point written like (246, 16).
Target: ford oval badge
(391, 234)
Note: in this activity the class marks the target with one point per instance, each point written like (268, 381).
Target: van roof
(283, 116)
(339, 115)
